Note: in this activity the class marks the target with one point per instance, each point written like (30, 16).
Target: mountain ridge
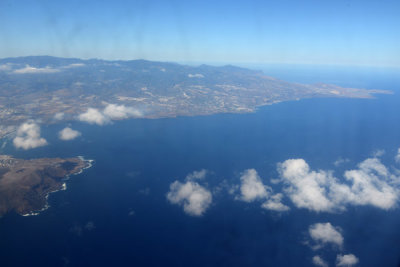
(38, 87)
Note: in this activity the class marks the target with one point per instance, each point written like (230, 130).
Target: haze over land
(52, 89)
(200, 165)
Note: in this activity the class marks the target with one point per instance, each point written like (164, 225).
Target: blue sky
(285, 31)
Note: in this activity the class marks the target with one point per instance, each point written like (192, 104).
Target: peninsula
(44, 88)
(25, 184)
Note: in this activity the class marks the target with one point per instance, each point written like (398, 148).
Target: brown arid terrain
(44, 90)
(38, 88)
(25, 184)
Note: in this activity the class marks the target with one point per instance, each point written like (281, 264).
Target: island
(52, 89)
(26, 184)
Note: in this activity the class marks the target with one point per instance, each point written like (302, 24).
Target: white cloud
(68, 134)
(5, 67)
(197, 75)
(251, 187)
(397, 157)
(370, 184)
(323, 233)
(28, 136)
(318, 261)
(33, 70)
(306, 189)
(59, 116)
(232, 189)
(119, 112)
(110, 112)
(94, 116)
(195, 198)
(340, 161)
(73, 65)
(378, 153)
(346, 260)
(197, 175)
(275, 204)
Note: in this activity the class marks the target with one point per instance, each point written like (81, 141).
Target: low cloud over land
(119, 112)
(28, 136)
(93, 116)
(33, 70)
(48, 69)
(197, 75)
(110, 112)
(59, 116)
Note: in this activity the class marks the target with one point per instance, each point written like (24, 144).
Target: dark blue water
(136, 160)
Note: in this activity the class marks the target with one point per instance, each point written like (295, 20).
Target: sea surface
(116, 213)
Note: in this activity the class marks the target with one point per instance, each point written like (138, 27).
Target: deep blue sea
(117, 214)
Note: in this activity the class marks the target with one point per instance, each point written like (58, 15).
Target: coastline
(89, 163)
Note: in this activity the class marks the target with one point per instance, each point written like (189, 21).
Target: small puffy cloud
(119, 112)
(397, 157)
(94, 116)
(232, 189)
(340, 161)
(275, 203)
(110, 112)
(370, 184)
(90, 226)
(197, 175)
(131, 213)
(28, 136)
(251, 187)
(318, 261)
(346, 260)
(59, 116)
(306, 188)
(323, 233)
(194, 198)
(145, 191)
(378, 153)
(68, 134)
(33, 70)
(5, 67)
(73, 65)
(197, 75)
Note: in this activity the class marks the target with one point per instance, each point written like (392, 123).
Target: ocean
(117, 214)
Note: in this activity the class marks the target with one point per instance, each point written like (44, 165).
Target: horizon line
(220, 63)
